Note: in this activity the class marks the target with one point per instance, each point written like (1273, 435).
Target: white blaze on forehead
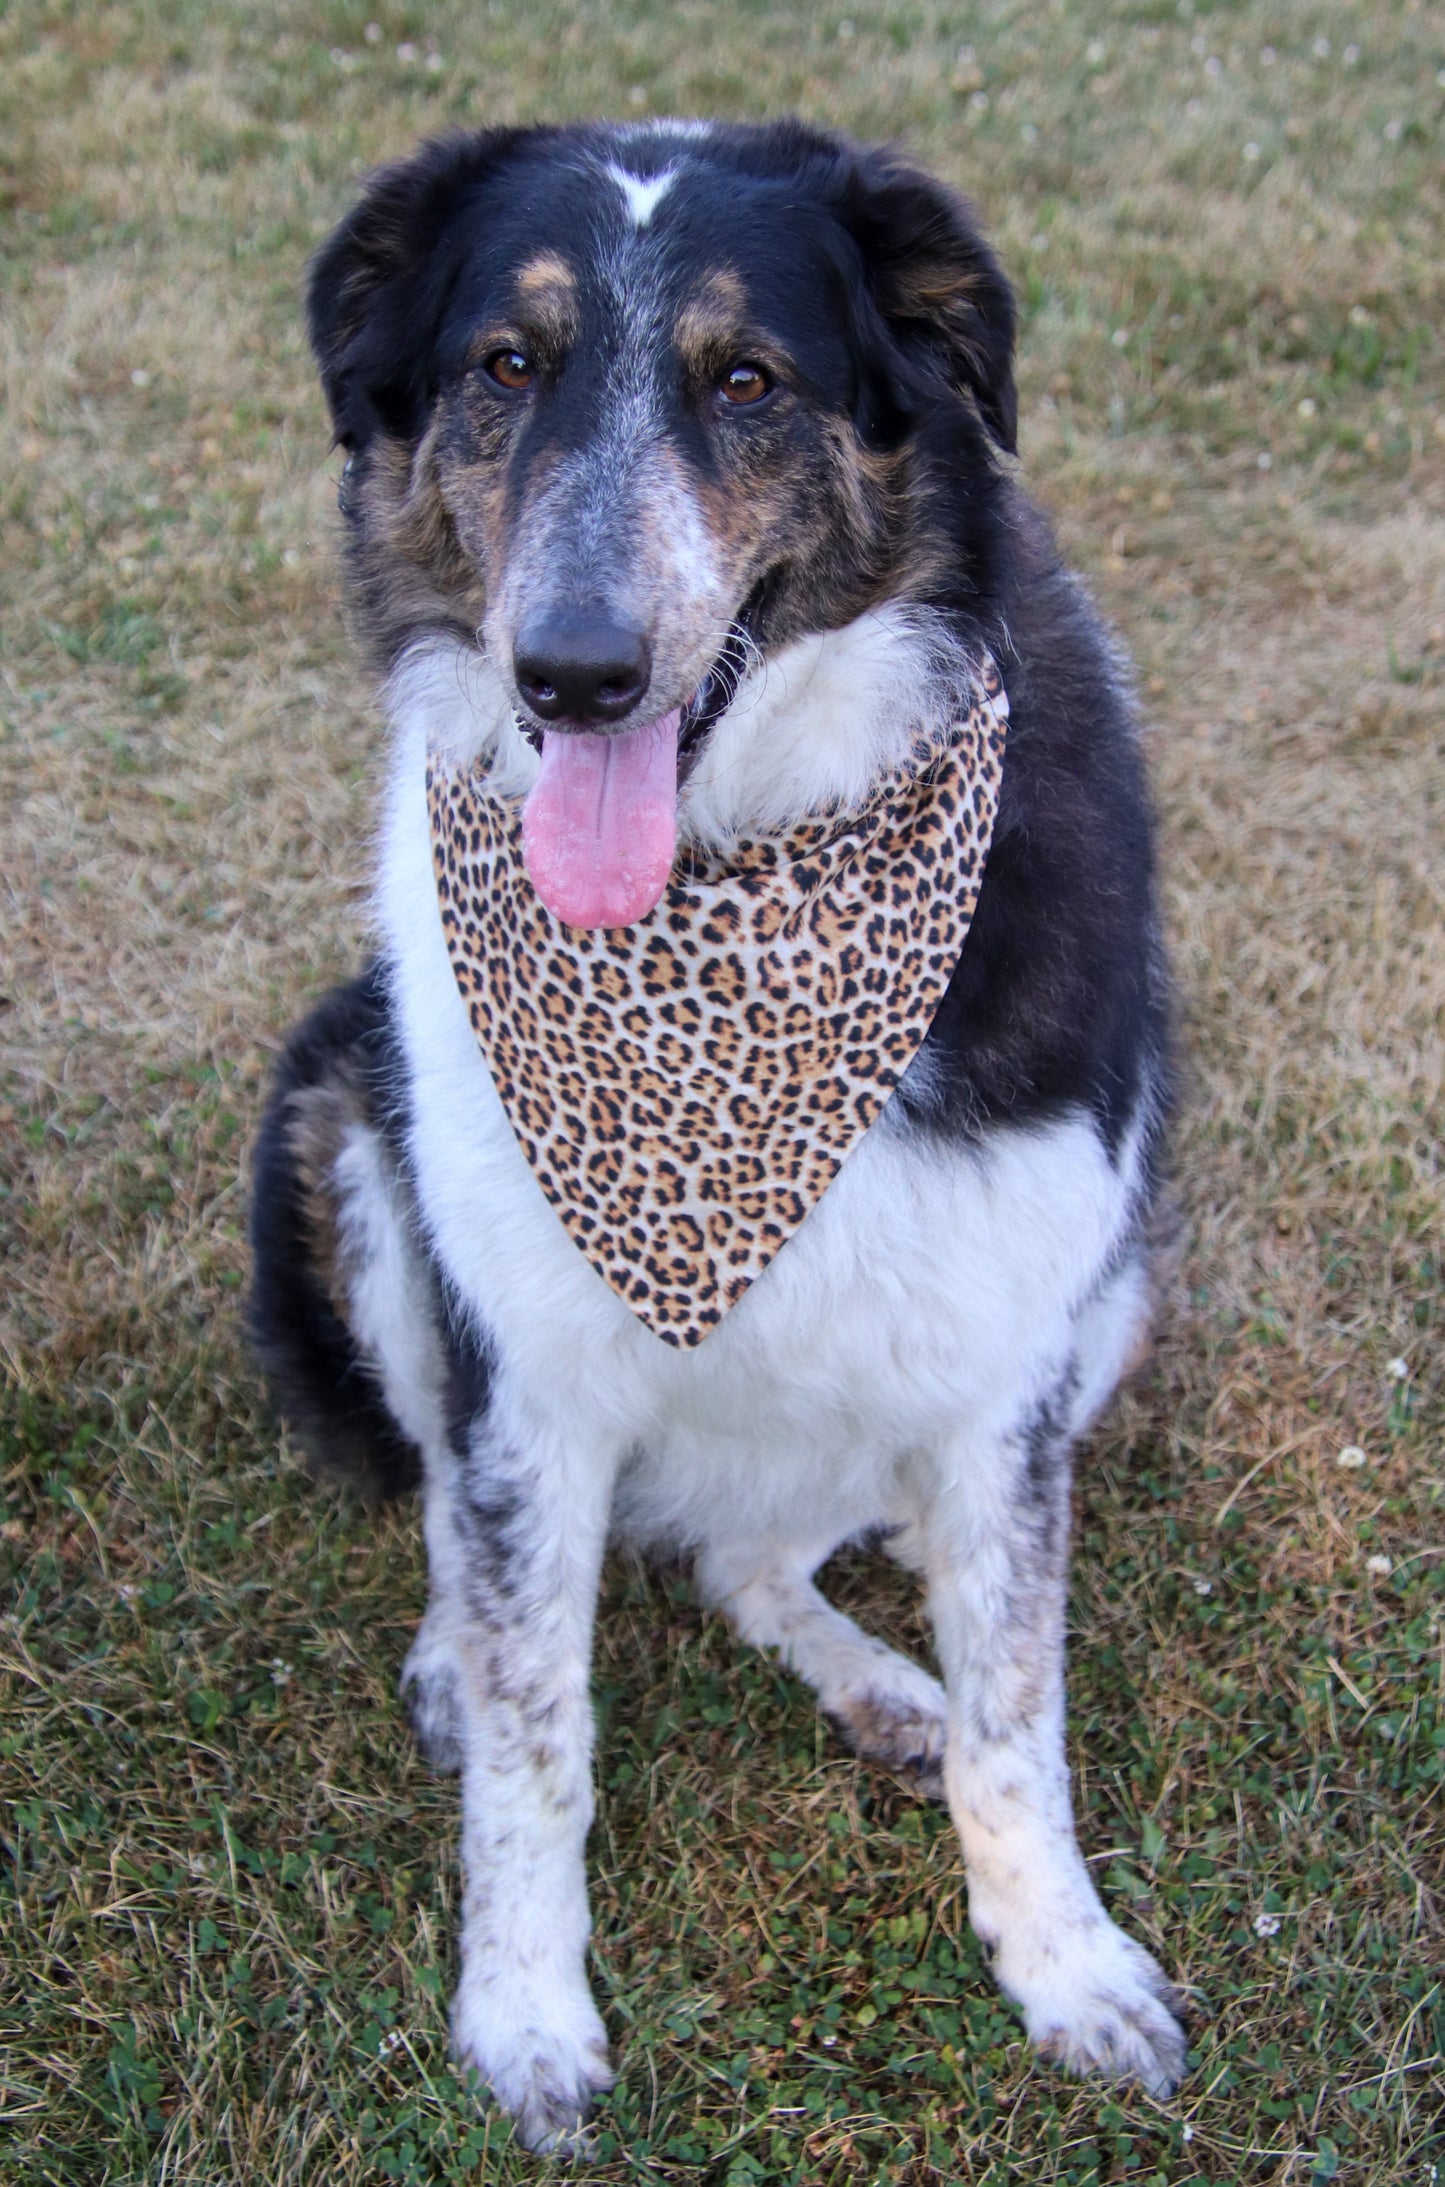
(642, 195)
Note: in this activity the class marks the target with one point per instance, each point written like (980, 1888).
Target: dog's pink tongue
(599, 828)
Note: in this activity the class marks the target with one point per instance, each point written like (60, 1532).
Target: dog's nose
(580, 665)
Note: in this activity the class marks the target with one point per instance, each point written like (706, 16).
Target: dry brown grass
(229, 1878)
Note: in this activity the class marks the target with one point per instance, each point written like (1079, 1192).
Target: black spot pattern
(685, 1089)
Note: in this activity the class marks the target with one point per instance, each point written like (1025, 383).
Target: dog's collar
(685, 1089)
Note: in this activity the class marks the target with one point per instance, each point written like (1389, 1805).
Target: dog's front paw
(544, 2058)
(431, 1696)
(1094, 2001)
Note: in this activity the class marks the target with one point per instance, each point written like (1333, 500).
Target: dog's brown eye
(744, 384)
(510, 368)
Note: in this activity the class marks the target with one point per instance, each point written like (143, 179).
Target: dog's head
(624, 405)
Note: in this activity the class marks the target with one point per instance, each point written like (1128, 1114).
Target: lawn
(230, 1884)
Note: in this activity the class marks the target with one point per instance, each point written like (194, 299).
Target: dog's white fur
(888, 1370)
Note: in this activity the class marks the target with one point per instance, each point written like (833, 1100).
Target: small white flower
(847, 31)
(338, 55)
(1186, 2132)
(1120, 337)
(828, 2041)
(392, 2040)
(1214, 66)
(1268, 56)
(637, 96)
(1352, 1457)
(1039, 242)
(1381, 1567)
(1398, 1370)
(1094, 52)
(140, 377)
(372, 34)
(290, 557)
(1264, 461)
(979, 102)
(127, 1592)
(406, 51)
(1322, 49)
(1266, 1924)
(280, 1671)
(1029, 133)
(1203, 1587)
(435, 63)
(1251, 150)
(965, 55)
(1359, 317)
(1306, 407)
(1350, 55)
(1394, 130)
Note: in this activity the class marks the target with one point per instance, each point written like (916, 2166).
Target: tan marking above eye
(718, 339)
(545, 306)
(548, 270)
(712, 320)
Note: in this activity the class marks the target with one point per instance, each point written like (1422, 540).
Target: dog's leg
(995, 1537)
(393, 1314)
(431, 1674)
(887, 1708)
(521, 1525)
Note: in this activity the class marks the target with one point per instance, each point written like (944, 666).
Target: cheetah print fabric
(686, 1088)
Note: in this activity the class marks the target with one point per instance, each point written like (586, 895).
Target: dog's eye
(744, 384)
(509, 368)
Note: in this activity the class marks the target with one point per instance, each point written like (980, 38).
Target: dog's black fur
(326, 1395)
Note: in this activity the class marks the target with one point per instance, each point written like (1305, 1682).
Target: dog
(681, 525)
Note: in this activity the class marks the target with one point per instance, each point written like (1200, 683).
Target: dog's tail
(342, 1308)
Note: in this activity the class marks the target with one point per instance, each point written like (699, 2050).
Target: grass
(230, 1888)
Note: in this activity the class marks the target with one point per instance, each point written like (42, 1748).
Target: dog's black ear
(379, 285)
(937, 286)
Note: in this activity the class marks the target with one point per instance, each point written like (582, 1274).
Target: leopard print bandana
(687, 1087)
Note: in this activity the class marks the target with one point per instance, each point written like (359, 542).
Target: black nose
(579, 664)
